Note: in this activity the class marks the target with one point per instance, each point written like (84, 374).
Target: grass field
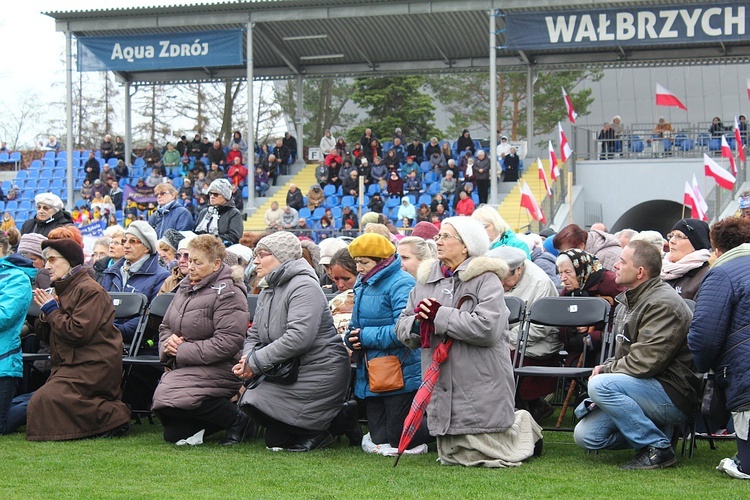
(143, 465)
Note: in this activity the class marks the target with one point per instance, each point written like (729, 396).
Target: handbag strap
(367, 362)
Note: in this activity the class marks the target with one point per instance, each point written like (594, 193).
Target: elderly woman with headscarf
(686, 263)
(380, 294)
(199, 340)
(82, 395)
(221, 218)
(582, 275)
(292, 321)
(459, 298)
(49, 215)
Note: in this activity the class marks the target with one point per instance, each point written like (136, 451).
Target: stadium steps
(303, 179)
(510, 207)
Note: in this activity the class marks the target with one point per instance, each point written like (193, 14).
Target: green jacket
(651, 327)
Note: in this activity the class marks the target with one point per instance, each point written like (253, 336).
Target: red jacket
(237, 173)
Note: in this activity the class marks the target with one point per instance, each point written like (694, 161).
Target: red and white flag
(690, 201)
(572, 115)
(666, 98)
(726, 152)
(721, 176)
(543, 176)
(554, 172)
(529, 203)
(738, 139)
(748, 88)
(565, 150)
(699, 198)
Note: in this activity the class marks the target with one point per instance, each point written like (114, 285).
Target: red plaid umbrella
(422, 397)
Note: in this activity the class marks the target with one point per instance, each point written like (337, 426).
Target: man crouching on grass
(637, 397)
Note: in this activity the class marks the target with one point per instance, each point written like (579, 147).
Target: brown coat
(213, 318)
(82, 395)
(315, 198)
(170, 284)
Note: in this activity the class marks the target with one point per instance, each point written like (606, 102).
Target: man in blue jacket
(170, 214)
(719, 335)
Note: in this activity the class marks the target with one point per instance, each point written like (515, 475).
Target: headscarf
(584, 264)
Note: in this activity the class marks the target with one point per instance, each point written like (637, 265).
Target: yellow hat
(371, 245)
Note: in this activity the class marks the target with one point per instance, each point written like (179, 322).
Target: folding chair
(562, 312)
(128, 305)
(29, 357)
(517, 308)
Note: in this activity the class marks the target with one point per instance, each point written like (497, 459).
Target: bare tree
(16, 125)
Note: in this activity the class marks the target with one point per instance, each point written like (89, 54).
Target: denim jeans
(261, 188)
(632, 413)
(8, 386)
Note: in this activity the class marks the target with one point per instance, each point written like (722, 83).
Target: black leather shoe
(322, 440)
(117, 432)
(651, 457)
(238, 430)
(538, 447)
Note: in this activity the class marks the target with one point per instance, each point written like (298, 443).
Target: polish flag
(720, 175)
(565, 149)
(690, 201)
(543, 176)
(726, 152)
(748, 88)
(572, 115)
(554, 172)
(666, 98)
(699, 198)
(738, 139)
(529, 203)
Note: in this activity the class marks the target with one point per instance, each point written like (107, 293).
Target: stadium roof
(336, 38)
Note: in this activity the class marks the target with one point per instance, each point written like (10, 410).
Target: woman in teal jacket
(16, 274)
(380, 294)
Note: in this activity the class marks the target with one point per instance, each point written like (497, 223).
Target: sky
(33, 58)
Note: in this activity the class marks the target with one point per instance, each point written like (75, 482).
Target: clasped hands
(241, 370)
(427, 309)
(171, 344)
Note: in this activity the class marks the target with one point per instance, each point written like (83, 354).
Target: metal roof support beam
(283, 55)
(493, 108)
(250, 123)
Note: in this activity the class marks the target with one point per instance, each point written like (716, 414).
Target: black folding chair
(128, 305)
(252, 303)
(562, 312)
(517, 308)
(32, 314)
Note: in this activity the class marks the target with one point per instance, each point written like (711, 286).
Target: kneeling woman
(292, 320)
(82, 395)
(200, 339)
(460, 297)
(380, 294)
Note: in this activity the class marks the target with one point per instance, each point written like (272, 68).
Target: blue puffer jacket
(509, 238)
(719, 335)
(16, 274)
(377, 305)
(147, 280)
(171, 216)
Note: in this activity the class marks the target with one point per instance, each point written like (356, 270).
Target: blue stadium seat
(49, 164)
(714, 144)
(55, 184)
(112, 162)
(336, 211)
(433, 189)
(139, 162)
(11, 205)
(21, 216)
(373, 188)
(27, 194)
(78, 183)
(49, 155)
(2, 205)
(393, 214)
(425, 198)
(386, 146)
(25, 205)
(329, 190)
(318, 214)
(431, 177)
(4, 156)
(7, 186)
(331, 201)
(304, 213)
(21, 174)
(35, 165)
(425, 167)
(703, 139)
(61, 163)
(43, 184)
(348, 200)
(392, 202)
(46, 173)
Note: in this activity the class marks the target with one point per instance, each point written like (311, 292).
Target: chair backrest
(252, 303)
(568, 311)
(160, 304)
(128, 304)
(517, 308)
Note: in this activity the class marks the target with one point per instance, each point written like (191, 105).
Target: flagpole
(570, 196)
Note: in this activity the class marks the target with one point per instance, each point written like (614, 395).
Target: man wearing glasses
(170, 214)
(649, 386)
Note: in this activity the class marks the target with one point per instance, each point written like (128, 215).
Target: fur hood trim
(476, 266)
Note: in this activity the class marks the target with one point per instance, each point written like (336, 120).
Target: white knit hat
(49, 199)
(472, 233)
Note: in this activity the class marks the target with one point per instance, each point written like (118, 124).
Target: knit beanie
(221, 186)
(696, 231)
(371, 245)
(472, 233)
(425, 230)
(49, 199)
(549, 246)
(369, 218)
(172, 239)
(329, 247)
(69, 248)
(31, 244)
(144, 232)
(283, 245)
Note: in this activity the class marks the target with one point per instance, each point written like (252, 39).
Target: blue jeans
(8, 386)
(261, 188)
(632, 413)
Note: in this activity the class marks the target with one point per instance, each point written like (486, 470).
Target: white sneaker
(193, 440)
(729, 466)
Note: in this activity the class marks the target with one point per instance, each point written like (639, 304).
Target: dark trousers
(212, 415)
(8, 386)
(483, 189)
(279, 434)
(385, 419)
(743, 453)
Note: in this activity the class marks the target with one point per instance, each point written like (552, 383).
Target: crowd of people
(360, 301)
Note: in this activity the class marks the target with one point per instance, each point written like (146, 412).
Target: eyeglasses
(43, 207)
(676, 236)
(262, 255)
(446, 236)
(130, 241)
(214, 194)
(182, 255)
(51, 259)
(116, 243)
(160, 193)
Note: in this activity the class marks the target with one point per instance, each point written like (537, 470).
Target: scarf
(380, 265)
(210, 223)
(673, 270)
(584, 264)
(742, 250)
